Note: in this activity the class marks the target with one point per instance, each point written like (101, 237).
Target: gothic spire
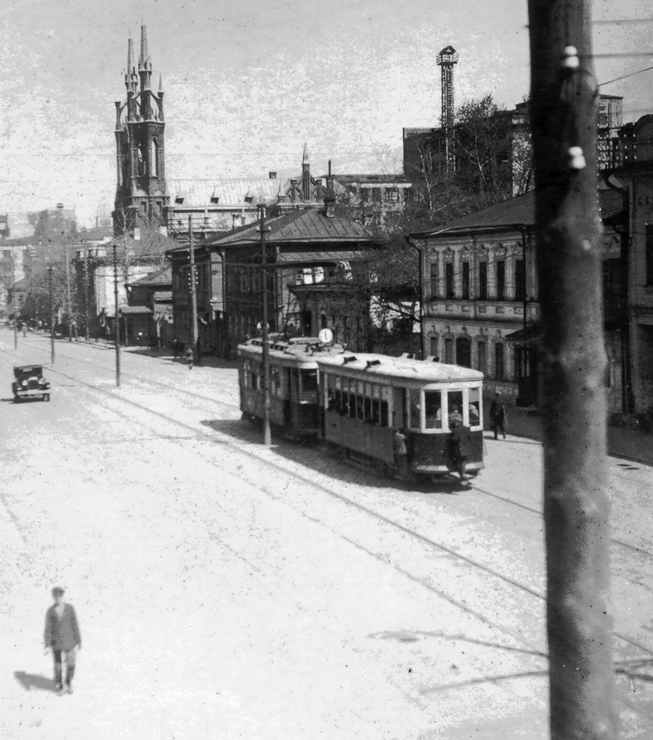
(145, 57)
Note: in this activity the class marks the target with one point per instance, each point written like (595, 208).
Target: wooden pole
(116, 327)
(267, 434)
(563, 118)
(51, 307)
(193, 290)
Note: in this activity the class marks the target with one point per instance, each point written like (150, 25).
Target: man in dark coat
(460, 445)
(62, 636)
(498, 416)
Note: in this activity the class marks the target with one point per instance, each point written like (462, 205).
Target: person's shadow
(31, 681)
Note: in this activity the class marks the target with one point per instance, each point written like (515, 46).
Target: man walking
(63, 638)
(498, 416)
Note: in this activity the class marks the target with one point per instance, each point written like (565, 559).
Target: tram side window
(455, 407)
(384, 413)
(275, 380)
(376, 411)
(433, 409)
(474, 406)
(368, 410)
(309, 380)
(254, 380)
(352, 405)
(415, 409)
(333, 395)
(360, 408)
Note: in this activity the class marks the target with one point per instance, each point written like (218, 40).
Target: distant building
(375, 200)
(313, 258)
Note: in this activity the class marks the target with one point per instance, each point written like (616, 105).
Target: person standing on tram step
(460, 445)
(498, 416)
(62, 637)
(400, 450)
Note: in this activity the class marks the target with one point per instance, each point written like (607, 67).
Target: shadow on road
(31, 681)
(316, 456)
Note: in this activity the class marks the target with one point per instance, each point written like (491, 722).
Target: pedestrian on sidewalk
(63, 638)
(498, 416)
(188, 354)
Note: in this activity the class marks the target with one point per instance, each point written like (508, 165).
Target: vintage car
(29, 383)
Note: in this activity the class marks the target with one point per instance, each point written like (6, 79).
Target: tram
(368, 397)
(294, 396)
(358, 403)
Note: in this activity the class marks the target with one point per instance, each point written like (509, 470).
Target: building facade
(312, 260)
(480, 289)
(634, 179)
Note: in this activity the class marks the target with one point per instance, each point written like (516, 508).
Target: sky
(247, 83)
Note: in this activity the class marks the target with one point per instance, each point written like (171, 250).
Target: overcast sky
(248, 82)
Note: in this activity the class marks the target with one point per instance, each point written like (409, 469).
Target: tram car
(360, 403)
(294, 390)
(368, 398)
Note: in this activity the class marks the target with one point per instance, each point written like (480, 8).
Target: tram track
(342, 498)
(226, 404)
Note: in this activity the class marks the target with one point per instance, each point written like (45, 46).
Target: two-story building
(634, 179)
(480, 295)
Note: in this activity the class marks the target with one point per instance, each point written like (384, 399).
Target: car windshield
(28, 371)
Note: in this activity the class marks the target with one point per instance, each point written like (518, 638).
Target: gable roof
(300, 226)
(162, 276)
(517, 212)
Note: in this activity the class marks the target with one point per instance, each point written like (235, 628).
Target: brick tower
(141, 197)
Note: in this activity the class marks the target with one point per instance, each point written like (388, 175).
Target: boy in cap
(62, 636)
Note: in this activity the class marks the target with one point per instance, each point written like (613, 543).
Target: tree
(493, 162)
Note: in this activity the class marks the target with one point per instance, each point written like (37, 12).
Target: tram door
(398, 408)
(287, 395)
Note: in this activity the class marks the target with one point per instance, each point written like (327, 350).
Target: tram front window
(455, 407)
(415, 409)
(433, 409)
(474, 406)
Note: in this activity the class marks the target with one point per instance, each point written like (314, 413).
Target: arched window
(154, 158)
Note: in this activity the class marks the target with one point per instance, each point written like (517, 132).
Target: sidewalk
(622, 442)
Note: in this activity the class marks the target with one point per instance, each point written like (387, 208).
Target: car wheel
(47, 397)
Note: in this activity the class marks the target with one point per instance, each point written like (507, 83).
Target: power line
(626, 76)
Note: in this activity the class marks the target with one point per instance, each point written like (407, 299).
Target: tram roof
(377, 365)
(297, 350)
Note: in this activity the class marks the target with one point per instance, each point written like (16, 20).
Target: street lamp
(51, 307)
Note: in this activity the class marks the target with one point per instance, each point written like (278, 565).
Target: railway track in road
(255, 481)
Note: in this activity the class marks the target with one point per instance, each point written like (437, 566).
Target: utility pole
(193, 290)
(86, 297)
(116, 316)
(15, 302)
(267, 435)
(576, 507)
(62, 233)
(51, 306)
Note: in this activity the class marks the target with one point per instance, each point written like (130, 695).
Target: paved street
(229, 591)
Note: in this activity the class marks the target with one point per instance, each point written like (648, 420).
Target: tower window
(154, 158)
(215, 199)
(179, 199)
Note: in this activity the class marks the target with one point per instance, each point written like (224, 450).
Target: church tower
(141, 197)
